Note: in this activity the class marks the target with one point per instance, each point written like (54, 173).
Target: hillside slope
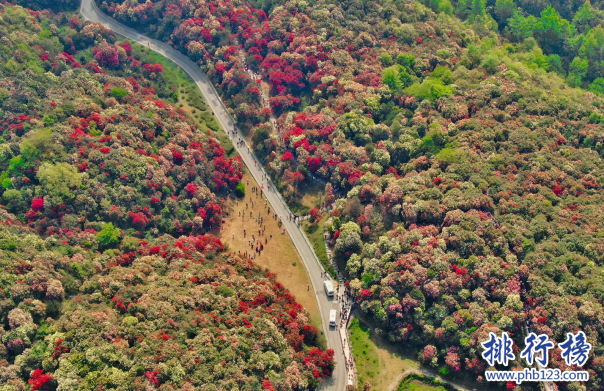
(107, 278)
(472, 171)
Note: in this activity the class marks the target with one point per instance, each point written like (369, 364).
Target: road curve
(337, 382)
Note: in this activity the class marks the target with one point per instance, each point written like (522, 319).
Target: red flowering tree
(107, 54)
(40, 380)
(315, 215)
(37, 204)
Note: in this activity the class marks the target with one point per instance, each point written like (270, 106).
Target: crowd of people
(259, 240)
(344, 297)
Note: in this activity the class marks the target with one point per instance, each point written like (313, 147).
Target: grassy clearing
(365, 353)
(308, 196)
(378, 364)
(312, 194)
(416, 385)
(279, 255)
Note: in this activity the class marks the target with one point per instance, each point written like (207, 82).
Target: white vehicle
(332, 317)
(328, 288)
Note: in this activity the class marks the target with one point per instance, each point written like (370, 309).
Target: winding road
(338, 381)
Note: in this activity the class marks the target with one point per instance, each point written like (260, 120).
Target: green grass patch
(415, 382)
(188, 91)
(314, 233)
(432, 89)
(364, 351)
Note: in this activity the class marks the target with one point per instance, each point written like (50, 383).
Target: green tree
(592, 48)
(58, 180)
(262, 141)
(386, 59)
(4, 93)
(37, 142)
(119, 93)
(555, 64)
(353, 124)
(479, 7)
(5, 180)
(226, 291)
(348, 229)
(406, 60)
(240, 190)
(597, 86)
(522, 27)
(109, 234)
(552, 31)
(349, 240)
(587, 17)
(578, 70)
(443, 73)
(450, 155)
(592, 44)
(396, 77)
(16, 163)
(390, 77)
(535, 57)
(445, 7)
(504, 10)
(13, 200)
(431, 88)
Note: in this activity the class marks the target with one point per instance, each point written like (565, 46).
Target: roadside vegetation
(422, 383)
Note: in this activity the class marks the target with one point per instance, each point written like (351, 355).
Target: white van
(332, 317)
(328, 288)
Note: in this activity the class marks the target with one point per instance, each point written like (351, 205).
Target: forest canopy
(461, 142)
(108, 276)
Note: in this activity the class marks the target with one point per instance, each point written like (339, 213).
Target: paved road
(337, 382)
